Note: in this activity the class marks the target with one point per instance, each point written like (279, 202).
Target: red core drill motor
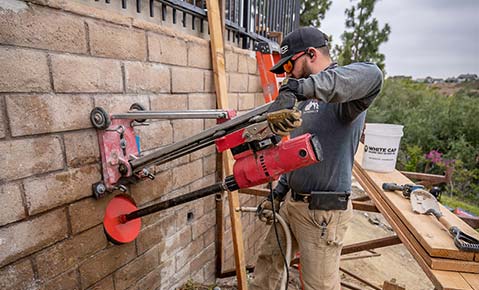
(260, 157)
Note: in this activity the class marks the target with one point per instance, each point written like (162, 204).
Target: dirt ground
(449, 89)
(394, 262)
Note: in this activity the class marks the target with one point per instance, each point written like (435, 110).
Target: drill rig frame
(260, 157)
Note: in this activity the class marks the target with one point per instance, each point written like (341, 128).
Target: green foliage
(462, 149)
(455, 202)
(413, 159)
(465, 183)
(439, 131)
(362, 37)
(313, 11)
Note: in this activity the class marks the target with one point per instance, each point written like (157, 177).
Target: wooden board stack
(427, 240)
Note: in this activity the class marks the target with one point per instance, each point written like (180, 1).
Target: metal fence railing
(246, 21)
(256, 20)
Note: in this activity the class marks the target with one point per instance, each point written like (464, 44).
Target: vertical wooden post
(223, 16)
(218, 59)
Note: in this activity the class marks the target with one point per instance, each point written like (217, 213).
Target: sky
(437, 38)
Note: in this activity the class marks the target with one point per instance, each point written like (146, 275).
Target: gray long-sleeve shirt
(335, 112)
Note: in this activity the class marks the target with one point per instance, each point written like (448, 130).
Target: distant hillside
(452, 88)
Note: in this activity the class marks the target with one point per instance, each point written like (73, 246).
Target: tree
(312, 12)
(362, 37)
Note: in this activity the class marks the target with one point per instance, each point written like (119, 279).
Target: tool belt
(323, 200)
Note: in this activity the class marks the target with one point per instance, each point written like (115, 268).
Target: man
(333, 101)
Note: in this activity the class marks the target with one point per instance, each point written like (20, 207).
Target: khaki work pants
(317, 234)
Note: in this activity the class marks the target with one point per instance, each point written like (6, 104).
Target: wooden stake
(218, 58)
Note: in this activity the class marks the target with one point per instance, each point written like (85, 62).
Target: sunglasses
(289, 65)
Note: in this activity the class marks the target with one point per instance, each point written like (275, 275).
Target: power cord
(286, 263)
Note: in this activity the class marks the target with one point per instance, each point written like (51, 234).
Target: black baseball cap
(297, 41)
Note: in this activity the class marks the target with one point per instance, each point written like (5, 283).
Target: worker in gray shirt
(332, 100)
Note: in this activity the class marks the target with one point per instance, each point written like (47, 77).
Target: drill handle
(391, 186)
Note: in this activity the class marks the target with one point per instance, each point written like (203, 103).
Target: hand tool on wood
(424, 202)
(406, 189)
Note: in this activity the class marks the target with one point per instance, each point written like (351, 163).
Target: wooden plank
(452, 280)
(255, 191)
(430, 178)
(472, 279)
(433, 263)
(364, 206)
(471, 221)
(349, 286)
(361, 198)
(430, 233)
(359, 278)
(440, 280)
(372, 244)
(453, 265)
(218, 59)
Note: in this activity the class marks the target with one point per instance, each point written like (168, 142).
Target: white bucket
(381, 146)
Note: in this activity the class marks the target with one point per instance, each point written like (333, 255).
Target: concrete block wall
(60, 59)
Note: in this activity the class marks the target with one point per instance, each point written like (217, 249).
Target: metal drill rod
(203, 192)
(187, 150)
(191, 114)
(190, 149)
(200, 140)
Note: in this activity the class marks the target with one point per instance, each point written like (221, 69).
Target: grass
(192, 285)
(454, 202)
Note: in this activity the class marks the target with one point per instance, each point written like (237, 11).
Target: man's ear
(311, 53)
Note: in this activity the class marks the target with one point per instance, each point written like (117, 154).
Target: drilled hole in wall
(189, 217)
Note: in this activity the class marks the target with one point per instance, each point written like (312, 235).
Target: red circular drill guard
(117, 231)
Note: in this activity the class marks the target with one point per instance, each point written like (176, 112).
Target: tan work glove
(265, 210)
(284, 121)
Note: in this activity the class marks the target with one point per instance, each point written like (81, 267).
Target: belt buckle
(301, 197)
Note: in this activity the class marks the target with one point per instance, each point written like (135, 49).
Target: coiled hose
(288, 241)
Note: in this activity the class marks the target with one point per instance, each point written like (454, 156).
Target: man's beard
(305, 71)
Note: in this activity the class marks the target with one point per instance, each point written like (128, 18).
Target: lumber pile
(427, 240)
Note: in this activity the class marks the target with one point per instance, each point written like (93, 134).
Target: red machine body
(230, 141)
(266, 165)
